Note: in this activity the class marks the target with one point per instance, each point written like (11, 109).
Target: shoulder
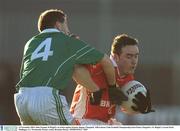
(122, 81)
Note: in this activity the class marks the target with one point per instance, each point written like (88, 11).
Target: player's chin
(130, 72)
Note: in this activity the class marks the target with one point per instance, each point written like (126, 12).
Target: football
(130, 89)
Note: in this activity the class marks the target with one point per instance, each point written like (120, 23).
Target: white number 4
(46, 44)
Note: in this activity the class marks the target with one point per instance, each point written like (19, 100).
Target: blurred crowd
(7, 89)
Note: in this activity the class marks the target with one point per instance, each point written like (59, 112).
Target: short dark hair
(121, 41)
(48, 18)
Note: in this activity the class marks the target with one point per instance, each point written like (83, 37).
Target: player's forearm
(82, 76)
(108, 70)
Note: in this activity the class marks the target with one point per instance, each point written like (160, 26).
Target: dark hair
(121, 41)
(48, 18)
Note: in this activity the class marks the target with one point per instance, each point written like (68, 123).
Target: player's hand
(113, 121)
(116, 96)
(143, 103)
(95, 97)
(74, 36)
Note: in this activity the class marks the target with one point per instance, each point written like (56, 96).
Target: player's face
(128, 59)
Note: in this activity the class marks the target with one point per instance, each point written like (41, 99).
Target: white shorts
(42, 106)
(111, 121)
(91, 122)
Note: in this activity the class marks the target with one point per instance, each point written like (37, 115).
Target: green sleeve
(85, 54)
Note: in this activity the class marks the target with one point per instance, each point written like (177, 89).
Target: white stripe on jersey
(80, 107)
(84, 53)
(68, 60)
(48, 81)
(63, 64)
(82, 48)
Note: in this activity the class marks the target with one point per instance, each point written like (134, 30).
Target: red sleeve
(98, 75)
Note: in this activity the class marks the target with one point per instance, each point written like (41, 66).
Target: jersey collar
(50, 30)
(113, 61)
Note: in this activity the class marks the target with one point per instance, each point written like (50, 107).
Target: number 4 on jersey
(46, 44)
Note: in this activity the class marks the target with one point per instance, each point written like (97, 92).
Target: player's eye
(129, 56)
(136, 56)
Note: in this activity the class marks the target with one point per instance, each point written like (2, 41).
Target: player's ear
(58, 25)
(116, 57)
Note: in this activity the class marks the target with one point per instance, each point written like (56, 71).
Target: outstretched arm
(82, 76)
(108, 70)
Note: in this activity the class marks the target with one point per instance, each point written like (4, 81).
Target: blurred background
(155, 23)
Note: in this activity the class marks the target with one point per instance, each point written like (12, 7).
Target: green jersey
(49, 59)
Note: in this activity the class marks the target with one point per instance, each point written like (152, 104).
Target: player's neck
(121, 74)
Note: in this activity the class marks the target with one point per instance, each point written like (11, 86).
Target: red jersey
(81, 107)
